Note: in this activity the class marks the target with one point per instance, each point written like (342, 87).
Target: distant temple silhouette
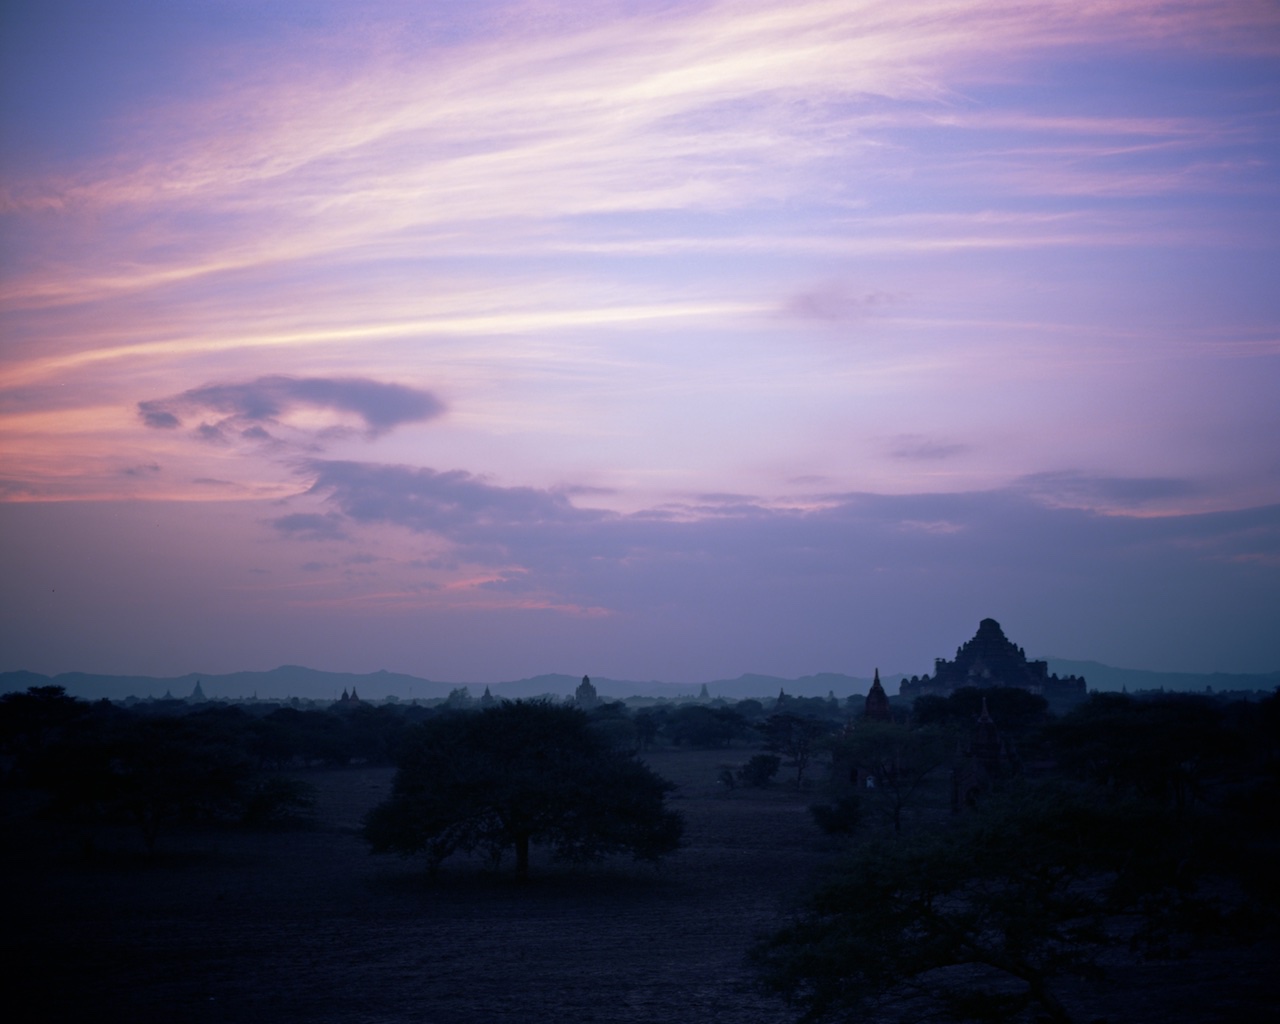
(585, 695)
(991, 659)
(877, 706)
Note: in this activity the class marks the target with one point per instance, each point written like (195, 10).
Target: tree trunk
(522, 856)
(1054, 1010)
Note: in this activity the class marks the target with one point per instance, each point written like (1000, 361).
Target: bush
(760, 770)
(839, 819)
(987, 917)
(277, 800)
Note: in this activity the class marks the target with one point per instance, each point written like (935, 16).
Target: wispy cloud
(703, 107)
(246, 409)
(1084, 490)
(835, 301)
(919, 447)
(453, 503)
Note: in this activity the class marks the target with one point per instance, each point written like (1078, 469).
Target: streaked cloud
(144, 470)
(700, 107)
(311, 526)
(542, 530)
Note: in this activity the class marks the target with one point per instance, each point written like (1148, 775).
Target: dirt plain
(229, 927)
(306, 925)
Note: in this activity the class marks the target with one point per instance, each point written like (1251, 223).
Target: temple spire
(877, 706)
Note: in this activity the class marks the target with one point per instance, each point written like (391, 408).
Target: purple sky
(651, 340)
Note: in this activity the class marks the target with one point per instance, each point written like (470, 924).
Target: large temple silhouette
(991, 659)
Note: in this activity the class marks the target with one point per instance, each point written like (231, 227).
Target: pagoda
(585, 695)
(877, 705)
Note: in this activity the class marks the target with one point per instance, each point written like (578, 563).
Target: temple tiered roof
(992, 659)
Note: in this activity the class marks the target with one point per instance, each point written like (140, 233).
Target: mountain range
(296, 681)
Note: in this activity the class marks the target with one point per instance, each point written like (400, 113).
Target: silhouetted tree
(1164, 747)
(1019, 713)
(150, 770)
(750, 709)
(324, 737)
(32, 721)
(373, 733)
(277, 738)
(888, 764)
(794, 737)
(759, 772)
(840, 818)
(518, 774)
(646, 726)
(611, 722)
(276, 800)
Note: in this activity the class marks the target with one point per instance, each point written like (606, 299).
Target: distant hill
(278, 684)
(1106, 678)
(312, 684)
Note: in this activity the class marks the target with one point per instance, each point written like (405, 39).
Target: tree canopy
(100, 765)
(517, 774)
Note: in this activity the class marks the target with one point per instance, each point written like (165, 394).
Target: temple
(585, 695)
(991, 659)
(877, 705)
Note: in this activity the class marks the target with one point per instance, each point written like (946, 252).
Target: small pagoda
(585, 695)
(877, 706)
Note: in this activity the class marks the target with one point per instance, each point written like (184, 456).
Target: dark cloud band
(910, 536)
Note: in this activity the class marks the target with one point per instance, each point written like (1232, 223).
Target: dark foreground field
(308, 926)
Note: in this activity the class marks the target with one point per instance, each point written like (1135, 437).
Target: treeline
(158, 764)
(89, 767)
(276, 736)
(1193, 751)
(168, 761)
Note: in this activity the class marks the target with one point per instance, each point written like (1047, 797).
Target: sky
(662, 340)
